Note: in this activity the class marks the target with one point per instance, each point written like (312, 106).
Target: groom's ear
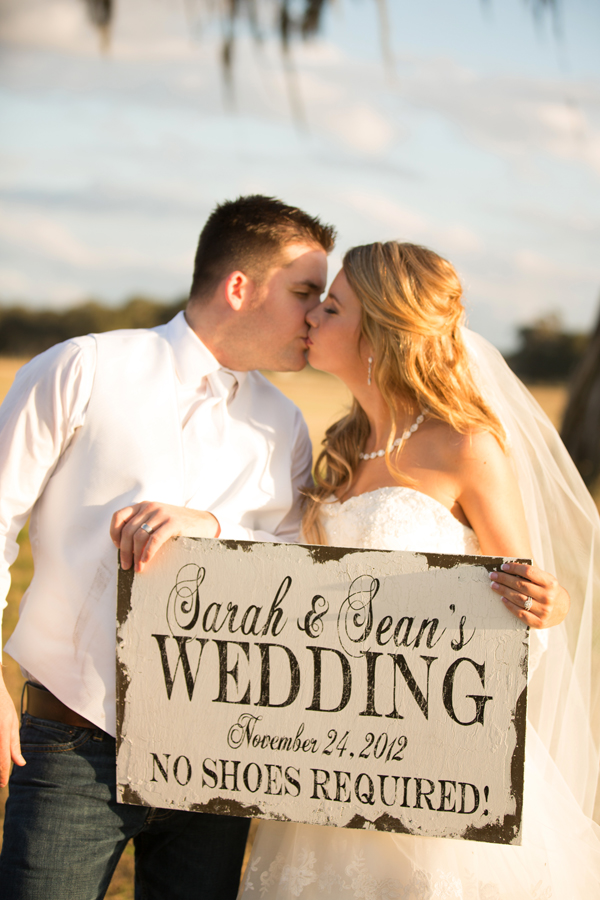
(238, 290)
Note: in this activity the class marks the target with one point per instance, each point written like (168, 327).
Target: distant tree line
(549, 354)
(26, 332)
(546, 352)
(581, 423)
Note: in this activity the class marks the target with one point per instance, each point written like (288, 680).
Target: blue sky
(484, 144)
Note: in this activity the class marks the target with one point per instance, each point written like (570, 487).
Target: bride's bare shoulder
(454, 450)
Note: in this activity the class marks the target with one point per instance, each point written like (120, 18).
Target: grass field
(321, 398)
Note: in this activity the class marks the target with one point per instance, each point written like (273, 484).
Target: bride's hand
(517, 583)
(140, 530)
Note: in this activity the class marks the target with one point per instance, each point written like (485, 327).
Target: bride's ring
(147, 528)
(527, 605)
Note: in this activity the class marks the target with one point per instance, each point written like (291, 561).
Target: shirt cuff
(233, 531)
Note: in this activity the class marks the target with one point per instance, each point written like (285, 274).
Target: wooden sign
(356, 688)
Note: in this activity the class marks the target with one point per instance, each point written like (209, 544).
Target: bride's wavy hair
(411, 318)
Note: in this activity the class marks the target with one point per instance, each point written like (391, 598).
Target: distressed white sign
(357, 688)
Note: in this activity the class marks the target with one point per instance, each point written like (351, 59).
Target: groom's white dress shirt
(102, 421)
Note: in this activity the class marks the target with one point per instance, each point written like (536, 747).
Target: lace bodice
(396, 518)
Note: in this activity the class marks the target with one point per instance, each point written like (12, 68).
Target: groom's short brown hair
(250, 234)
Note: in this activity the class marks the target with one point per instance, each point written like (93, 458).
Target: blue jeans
(64, 831)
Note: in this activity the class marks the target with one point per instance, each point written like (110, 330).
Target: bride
(445, 451)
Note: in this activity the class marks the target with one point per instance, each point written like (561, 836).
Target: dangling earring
(370, 370)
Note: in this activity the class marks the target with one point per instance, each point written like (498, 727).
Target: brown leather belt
(44, 705)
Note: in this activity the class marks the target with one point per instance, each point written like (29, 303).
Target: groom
(102, 423)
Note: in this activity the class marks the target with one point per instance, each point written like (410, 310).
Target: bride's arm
(488, 493)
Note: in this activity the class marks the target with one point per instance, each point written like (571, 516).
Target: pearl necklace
(399, 440)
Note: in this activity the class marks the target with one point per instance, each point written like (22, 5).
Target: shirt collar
(193, 360)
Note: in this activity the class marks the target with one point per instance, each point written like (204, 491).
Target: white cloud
(14, 282)
(362, 127)
(397, 219)
(141, 30)
(510, 115)
(403, 223)
(460, 238)
(45, 236)
(534, 263)
(39, 233)
(563, 118)
(522, 285)
(55, 24)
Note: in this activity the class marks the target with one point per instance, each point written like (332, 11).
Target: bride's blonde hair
(411, 318)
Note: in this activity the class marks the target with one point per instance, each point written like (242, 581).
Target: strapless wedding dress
(559, 858)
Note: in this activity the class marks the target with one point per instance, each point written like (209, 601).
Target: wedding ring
(147, 528)
(528, 604)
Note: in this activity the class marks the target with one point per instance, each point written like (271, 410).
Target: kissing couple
(131, 437)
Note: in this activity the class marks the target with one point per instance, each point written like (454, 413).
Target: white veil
(564, 529)
(560, 854)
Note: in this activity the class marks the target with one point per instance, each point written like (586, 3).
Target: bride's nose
(312, 316)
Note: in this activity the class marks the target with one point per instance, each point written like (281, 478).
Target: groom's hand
(140, 530)
(10, 748)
